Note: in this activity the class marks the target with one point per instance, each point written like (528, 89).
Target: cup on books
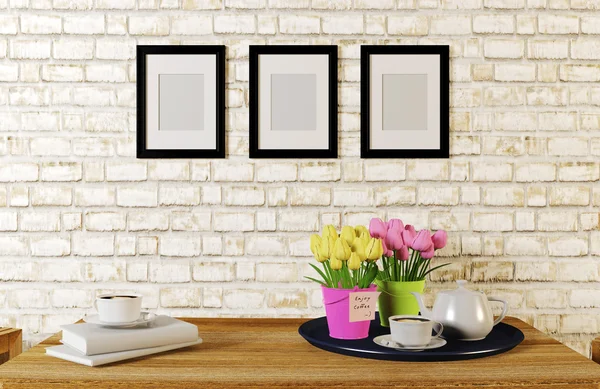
(118, 307)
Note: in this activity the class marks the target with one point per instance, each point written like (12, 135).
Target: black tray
(502, 339)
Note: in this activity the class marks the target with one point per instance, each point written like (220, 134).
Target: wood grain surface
(11, 343)
(596, 350)
(269, 353)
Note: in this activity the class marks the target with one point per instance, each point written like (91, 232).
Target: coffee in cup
(118, 307)
(413, 331)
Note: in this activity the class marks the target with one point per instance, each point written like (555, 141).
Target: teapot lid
(461, 290)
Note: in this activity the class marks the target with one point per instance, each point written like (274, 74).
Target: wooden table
(11, 343)
(269, 353)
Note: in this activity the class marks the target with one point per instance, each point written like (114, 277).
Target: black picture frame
(332, 52)
(365, 100)
(142, 52)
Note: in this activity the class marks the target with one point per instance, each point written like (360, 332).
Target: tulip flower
(374, 249)
(378, 228)
(393, 240)
(348, 234)
(326, 247)
(440, 238)
(408, 235)
(402, 254)
(335, 263)
(330, 231)
(429, 253)
(359, 230)
(341, 250)
(315, 248)
(395, 223)
(386, 251)
(358, 248)
(422, 241)
(354, 262)
(365, 237)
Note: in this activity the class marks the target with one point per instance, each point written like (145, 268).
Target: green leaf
(320, 273)
(317, 281)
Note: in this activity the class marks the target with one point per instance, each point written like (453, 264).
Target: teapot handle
(504, 309)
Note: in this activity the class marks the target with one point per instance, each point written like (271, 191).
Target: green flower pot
(395, 298)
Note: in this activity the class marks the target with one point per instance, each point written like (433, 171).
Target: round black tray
(502, 339)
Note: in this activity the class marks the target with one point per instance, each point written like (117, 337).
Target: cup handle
(96, 305)
(439, 331)
(504, 309)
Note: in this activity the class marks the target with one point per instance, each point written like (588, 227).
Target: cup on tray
(414, 331)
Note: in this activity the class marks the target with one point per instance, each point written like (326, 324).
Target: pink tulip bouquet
(406, 253)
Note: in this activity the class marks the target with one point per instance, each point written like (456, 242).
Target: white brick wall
(519, 196)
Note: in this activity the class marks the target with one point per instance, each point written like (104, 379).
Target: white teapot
(465, 314)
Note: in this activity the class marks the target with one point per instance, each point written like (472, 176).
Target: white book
(69, 354)
(93, 339)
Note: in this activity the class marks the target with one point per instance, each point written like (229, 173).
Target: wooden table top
(269, 353)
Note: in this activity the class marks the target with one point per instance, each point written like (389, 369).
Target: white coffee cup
(118, 307)
(413, 331)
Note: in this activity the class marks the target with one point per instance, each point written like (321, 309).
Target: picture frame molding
(142, 51)
(365, 96)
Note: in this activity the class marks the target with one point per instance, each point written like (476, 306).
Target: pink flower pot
(337, 310)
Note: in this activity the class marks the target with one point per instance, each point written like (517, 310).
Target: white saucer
(145, 318)
(386, 341)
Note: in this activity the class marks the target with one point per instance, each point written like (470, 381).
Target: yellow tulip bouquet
(348, 259)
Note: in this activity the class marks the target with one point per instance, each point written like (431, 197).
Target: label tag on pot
(362, 306)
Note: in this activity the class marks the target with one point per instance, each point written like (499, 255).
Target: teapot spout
(424, 311)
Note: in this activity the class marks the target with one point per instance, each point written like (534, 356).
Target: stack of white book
(95, 345)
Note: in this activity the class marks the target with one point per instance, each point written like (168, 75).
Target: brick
(503, 48)
(568, 146)
(343, 25)
(493, 24)
(61, 171)
(39, 221)
(287, 299)
(568, 246)
(179, 196)
(551, 96)
(137, 197)
(438, 196)
(320, 171)
(148, 221)
(492, 271)
(580, 73)
(181, 297)
(148, 25)
(170, 271)
(83, 24)
(235, 24)
(565, 196)
(179, 246)
(104, 221)
(274, 172)
(190, 221)
(504, 196)
(535, 172)
(450, 25)
(18, 172)
(558, 24)
(40, 24)
(53, 196)
(243, 298)
(192, 25)
(578, 171)
(407, 25)
(93, 245)
(548, 49)
(213, 271)
(298, 24)
(233, 221)
(499, 221)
